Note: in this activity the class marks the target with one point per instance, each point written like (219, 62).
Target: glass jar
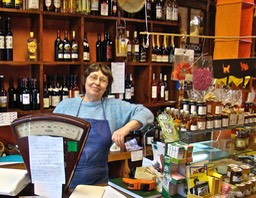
(241, 187)
(209, 105)
(229, 169)
(246, 169)
(201, 108)
(192, 106)
(201, 122)
(209, 122)
(240, 139)
(236, 176)
(184, 104)
(217, 107)
(217, 121)
(224, 120)
(193, 122)
(248, 188)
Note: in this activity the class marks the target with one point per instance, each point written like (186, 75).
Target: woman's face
(96, 85)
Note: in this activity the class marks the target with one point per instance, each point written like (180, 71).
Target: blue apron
(92, 167)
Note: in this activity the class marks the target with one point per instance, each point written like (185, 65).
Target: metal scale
(73, 130)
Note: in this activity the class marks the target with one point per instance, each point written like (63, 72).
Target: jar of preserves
(209, 122)
(201, 108)
(229, 169)
(246, 169)
(236, 175)
(201, 122)
(241, 188)
(184, 104)
(253, 180)
(193, 122)
(217, 121)
(217, 107)
(240, 139)
(209, 106)
(224, 120)
(248, 188)
(192, 106)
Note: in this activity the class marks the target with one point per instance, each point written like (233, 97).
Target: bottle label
(128, 94)
(3, 101)
(25, 99)
(158, 12)
(8, 42)
(166, 95)
(33, 4)
(55, 100)
(104, 9)
(168, 16)
(175, 14)
(57, 3)
(154, 91)
(1, 42)
(48, 3)
(94, 5)
(32, 46)
(46, 103)
(109, 52)
(162, 92)
(86, 56)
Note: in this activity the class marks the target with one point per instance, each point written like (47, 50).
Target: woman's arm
(119, 135)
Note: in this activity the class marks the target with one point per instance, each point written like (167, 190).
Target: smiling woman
(111, 120)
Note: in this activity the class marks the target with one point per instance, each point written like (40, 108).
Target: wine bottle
(8, 41)
(48, 5)
(153, 89)
(166, 90)
(158, 50)
(160, 89)
(11, 94)
(32, 47)
(154, 49)
(57, 5)
(66, 47)
(127, 90)
(3, 95)
(159, 9)
(7, 3)
(72, 6)
(95, 7)
(109, 51)
(104, 47)
(132, 88)
(74, 47)
(58, 48)
(64, 88)
(171, 50)
(75, 88)
(19, 93)
(168, 10)
(55, 93)
(99, 49)
(153, 9)
(18, 4)
(135, 48)
(2, 42)
(34, 95)
(149, 8)
(25, 95)
(46, 98)
(70, 85)
(175, 14)
(128, 47)
(165, 51)
(50, 87)
(104, 7)
(113, 8)
(143, 51)
(86, 53)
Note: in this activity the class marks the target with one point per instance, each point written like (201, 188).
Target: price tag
(136, 155)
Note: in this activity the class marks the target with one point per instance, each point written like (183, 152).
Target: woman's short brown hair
(104, 69)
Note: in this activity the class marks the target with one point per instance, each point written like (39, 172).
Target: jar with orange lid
(201, 108)
(201, 122)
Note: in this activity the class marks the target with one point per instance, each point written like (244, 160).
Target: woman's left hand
(118, 137)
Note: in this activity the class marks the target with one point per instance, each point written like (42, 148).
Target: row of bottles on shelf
(155, 9)
(67, 49)
(57, 88)
(6, 43)
(159, 89)
(20, 4)
(25, 96)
